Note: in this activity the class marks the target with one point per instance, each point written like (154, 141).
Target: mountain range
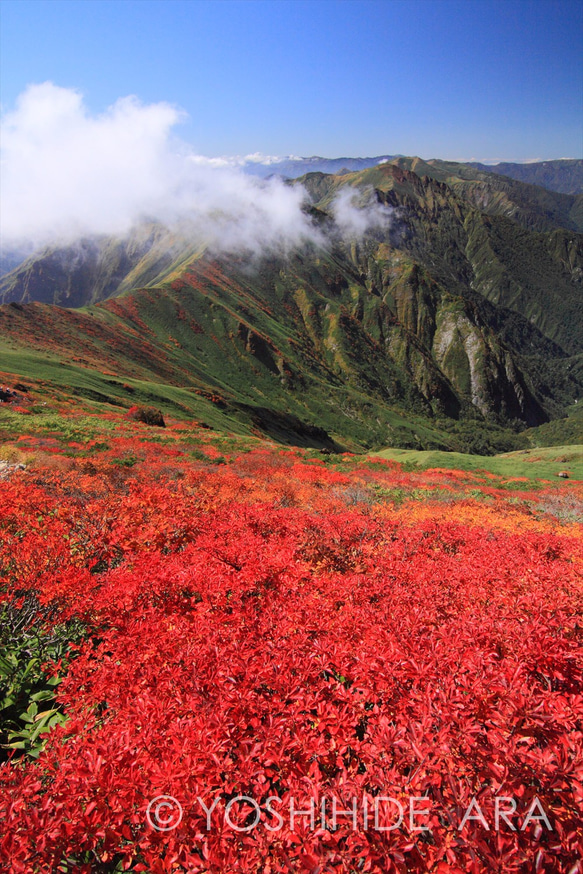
(564, 175)
(453, 318)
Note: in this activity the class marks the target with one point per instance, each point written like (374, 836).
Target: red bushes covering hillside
(274, 639)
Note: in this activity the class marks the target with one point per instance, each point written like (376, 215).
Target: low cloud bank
(65, 173)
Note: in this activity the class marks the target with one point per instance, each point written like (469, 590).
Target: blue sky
(477, 79)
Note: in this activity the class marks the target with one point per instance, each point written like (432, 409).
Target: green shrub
(29, 642)
(148, 415)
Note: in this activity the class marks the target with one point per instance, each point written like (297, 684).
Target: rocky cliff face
(444, 348)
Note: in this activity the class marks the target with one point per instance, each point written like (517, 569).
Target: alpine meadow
(291, 448)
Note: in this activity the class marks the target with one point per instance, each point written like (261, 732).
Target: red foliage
(254, 630)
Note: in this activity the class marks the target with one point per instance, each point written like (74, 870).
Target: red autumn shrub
(410, 675)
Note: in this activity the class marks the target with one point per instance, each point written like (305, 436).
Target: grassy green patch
(539, 464)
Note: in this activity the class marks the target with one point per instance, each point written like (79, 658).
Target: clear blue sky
(458, 79)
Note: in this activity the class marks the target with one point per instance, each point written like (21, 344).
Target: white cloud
(357, 212)
(244, 161)
(65, 172)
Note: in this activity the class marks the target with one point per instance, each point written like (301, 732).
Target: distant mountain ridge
(462, 314)
(292, 168)
(564, 175)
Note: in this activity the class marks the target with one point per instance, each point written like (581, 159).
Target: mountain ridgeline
(456, 324)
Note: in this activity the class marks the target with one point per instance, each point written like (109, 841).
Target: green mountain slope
(484, 255)
(294, 346)
(93, 269)
(460, 317)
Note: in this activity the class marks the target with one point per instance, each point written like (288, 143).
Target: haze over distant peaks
(564, 175)
(292, 167)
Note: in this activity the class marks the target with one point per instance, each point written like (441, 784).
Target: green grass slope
(532, 464)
